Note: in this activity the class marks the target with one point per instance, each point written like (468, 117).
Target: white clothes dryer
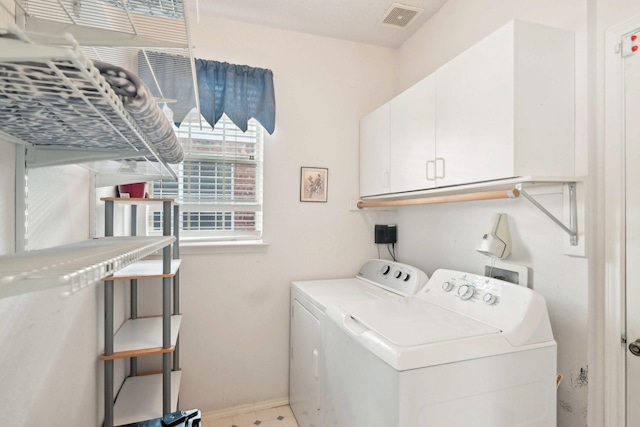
(376, 280)
(465, 351)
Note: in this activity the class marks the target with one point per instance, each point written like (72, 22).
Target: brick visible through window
(219, 183)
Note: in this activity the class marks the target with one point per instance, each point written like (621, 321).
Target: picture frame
(314, 184)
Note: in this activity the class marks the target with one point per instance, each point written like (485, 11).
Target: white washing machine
(376, 280)
(465, 351)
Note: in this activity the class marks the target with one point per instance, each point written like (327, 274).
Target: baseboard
(252, 407)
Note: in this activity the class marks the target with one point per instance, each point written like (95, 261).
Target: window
(219, 183)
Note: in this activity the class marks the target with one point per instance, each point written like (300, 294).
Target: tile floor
(273, 417)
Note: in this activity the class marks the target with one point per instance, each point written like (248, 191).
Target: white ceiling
(355, 20)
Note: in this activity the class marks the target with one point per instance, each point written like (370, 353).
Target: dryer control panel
(396, 277)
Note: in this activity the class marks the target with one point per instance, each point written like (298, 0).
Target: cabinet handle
(315, 355)
(431, 170)
(316, 371)
(439, 167)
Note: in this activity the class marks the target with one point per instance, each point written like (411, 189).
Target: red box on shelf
(134, 191)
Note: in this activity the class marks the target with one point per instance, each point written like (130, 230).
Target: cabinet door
(305, 381)
(475, 112)
(374, 152)
(412, 138)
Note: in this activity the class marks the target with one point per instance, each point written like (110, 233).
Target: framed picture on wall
(314, 183)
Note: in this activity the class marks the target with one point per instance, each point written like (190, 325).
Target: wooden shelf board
(148, 269)
(140, 398)
(143, 337)
(135, 200)
(138, 353)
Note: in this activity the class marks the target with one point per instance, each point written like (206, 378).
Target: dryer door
(304, 383)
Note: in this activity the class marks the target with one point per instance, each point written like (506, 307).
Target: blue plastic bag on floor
(190, 418)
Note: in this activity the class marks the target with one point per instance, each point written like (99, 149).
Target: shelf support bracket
(572, 229)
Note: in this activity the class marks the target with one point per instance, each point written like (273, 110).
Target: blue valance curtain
(239, 91)
(169, 76)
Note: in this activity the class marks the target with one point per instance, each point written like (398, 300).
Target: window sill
(226, 247)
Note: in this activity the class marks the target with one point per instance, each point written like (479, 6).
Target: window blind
(219, 183)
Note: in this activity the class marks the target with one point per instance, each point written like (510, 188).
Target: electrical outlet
(502, 274)
(512, 273)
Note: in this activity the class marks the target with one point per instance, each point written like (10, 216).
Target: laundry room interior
(234, 340)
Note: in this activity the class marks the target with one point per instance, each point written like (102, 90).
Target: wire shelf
(160, 20)
(130, 34)
(76, 265)
(54, 98)
(119, 32)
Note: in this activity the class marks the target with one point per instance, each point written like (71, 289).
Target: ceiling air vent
(400, 15)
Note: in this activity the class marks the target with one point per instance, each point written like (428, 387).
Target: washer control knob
(447, 286)
(489, 299)
(397, 274)
(406, 277)
(386, 269)
(465, 292)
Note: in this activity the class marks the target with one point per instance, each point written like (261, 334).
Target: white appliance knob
(447, 286)
(465, 292)
(406, 277)
(489, 299)
(397, 274)
(386, 269)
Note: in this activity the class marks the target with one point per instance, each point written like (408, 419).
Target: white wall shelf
(63, 85)
(149, 39)
(143, 337)
(148, 269)
(573, 203)
(118, 31)
(141, 398)
(500, 184)
(76, 265)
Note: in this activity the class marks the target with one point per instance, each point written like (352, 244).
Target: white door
(305, 395)
(374, 152)
(474, 113)
(412, 146)
(632, 131)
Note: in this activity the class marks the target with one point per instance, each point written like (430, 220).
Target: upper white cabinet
(397, 143)
(374, 152)
(412, 145)
(503, 108)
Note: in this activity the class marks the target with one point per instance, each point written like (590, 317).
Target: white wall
(58, 206)
(49, 367)
(446, 235)
(235, 333)
(612, 13)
